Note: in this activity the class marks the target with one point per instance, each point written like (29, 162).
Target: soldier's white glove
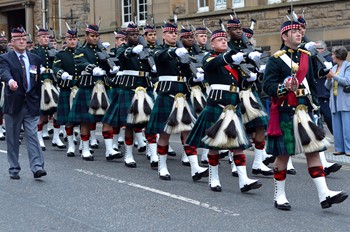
(154, 69)
(42, 70)
(180, 52)
(65, 76)
(114, 70)
(137, 49)
(328, 65)
(310, 46)
(262, 68)
(255, 56)
(97, 71)
(237, 58)
(106, 45)
(252, 77)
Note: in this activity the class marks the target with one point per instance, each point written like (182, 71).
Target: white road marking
(160, 192)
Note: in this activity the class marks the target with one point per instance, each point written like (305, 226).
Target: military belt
(135, 73)
(172, 78)
(230, 88)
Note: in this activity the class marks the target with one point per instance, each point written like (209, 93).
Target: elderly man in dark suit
(20, 71)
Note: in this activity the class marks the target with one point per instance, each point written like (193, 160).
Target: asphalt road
(78, 195)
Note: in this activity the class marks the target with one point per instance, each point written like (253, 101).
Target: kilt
(117, 112)
(285, 144)
(209, 116)
(63, 107)
(164, 104)
(112, 92)
(260, 121)
(80, 109)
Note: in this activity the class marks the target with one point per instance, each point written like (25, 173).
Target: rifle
(104, 56)
(146, 53)
(314, 53)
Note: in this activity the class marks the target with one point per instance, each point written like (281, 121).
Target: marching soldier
(66, 72)
(254, 117)
(132, 105)
(289, 80)
(50, 93)
(91, 100)
(219, 126)
(171, 112)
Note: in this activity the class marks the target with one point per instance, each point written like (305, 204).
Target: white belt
(135, 73)
(231, 88)
(172, 78)
(120, 73)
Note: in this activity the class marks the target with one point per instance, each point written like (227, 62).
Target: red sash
(274, 128)
(231, 70)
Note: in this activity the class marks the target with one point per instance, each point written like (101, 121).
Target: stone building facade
(328, 20)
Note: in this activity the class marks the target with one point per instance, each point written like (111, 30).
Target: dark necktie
(24, 71)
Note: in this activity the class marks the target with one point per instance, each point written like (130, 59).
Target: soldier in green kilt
(49, 95)
(171, 112)
(132, 105)
(67, 75)
(289, 81)
(220, 126)
(254, 115)
(91, 100)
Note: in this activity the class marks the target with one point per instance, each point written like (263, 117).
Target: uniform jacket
(10, 68)
(342, 101)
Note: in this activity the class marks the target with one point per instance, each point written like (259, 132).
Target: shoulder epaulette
(279, 53)
(209, 58)
(305, 51)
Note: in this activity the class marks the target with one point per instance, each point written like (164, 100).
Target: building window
(134, 10)
(220, 5)
(237, 3)
(202, 6)
(273, 1)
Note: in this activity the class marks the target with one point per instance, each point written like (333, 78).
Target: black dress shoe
(89, 158)
(130, 165)
(94, 146)
(40, 173)
(154, 164)
(59, 146)
(186, 164)
(291, 171)
(340, 197)
(2, 138)
(254, 185)
(46, 137)
(223, 154)
(286, 206)
(70, 154)
(264, 173)
(235, 173)
(216, 188)
(43, 148)
(91, 151)
(142, 149)
(205, 162)
(198, 176)
(115, 156)
(171, 153)
(269, 160)
(50, 131)
(15, 176)
(166, 177)
(333, 168)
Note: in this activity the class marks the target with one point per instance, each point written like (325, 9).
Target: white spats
(56, 141)
(245, 183)
(280, 199)
(197, 172)
(214, 181)
(71, 146)
(129, 157)
(162, 168)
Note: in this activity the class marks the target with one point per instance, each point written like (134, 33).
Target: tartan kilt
(117, 112)
(285, 144)
(209, 116)
(80, 109)
(164, 104)
(112, 91)
(257, 122)
(63, 107)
